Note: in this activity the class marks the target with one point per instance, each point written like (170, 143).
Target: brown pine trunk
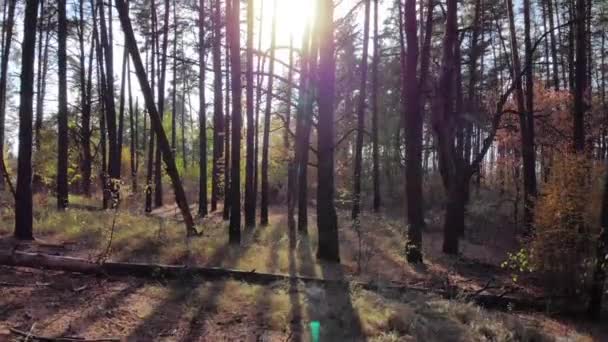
(361, 118)
(329, 247)
(234, 38)
(291, 166)
(110, 115)
(250, 150)
(414, 125)
(554, 60)
(43, 53)
(300, 142)
(267, 120)
(155, 120)
(375, 148)
(580, 85)
(62, 113)
(7, 36)
(599, 275)
(218, 114)
(23, 198)
(150, 161)
(227, 191)
(202, 120)
(86, 84)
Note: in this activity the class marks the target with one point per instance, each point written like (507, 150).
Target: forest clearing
(290, 170)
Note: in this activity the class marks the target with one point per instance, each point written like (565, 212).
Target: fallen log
(161, 271)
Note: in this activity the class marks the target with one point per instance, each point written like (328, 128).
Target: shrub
(565, 222)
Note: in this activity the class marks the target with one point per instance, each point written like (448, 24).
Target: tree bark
(554, 61)
(218, 114)
(155, 120)
(326, 213)
(267, 120)
(291, 166)
(7, 36)
(202, 121)
(62, 113)
(249, 166)
(234, 38)
(106, 44)
(23, 198)
(43, 54)
(227, 135)
(375, 148)
(86, 84)
(413, 119)
(580, 85)
(599, 274)
(361, 117)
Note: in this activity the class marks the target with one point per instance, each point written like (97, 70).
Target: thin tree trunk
(43, 51)
(361, 117)
(7, 36)
(106, 44)
(414, 127)
(250, 150)
(375, 148)
(234, 38)
(132, 131)
(258, 100)
(218, 114)
(155, 120)
(174, 93)
(554, 61)
(291, 167)
(62, 113)
(158, 188)
(86, 84)
(327, 223)
(202, 120)
(23, 198)
(580, 85)
(227, 160)
(267, 120)
(150, 162)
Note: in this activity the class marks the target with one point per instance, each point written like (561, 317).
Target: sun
(292, 18)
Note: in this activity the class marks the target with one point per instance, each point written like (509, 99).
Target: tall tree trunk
(554, 61)
(375, 148)
(227, 167)
(327, 222)
(580, 85)
(7, 36)
(132, 131)
(202, 120)
(258, 100)
(218, 114)
(444, 131)
(106, 44)
(234, 38)
(155, 120)
(309, 92)
(413, 144)
(86, 84)
(249, 166)
(62, 113)
(150, 161)
(291, 166)
(43, 52)
(23, 198)
(361, 118)
(599, 273)
(101, 89)
(174, 92)
(267, 120)
(528, 147)
(158, 188)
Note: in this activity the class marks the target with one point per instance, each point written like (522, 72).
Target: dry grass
(229, 310)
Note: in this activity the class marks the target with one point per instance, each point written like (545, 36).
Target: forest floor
(65, 304)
